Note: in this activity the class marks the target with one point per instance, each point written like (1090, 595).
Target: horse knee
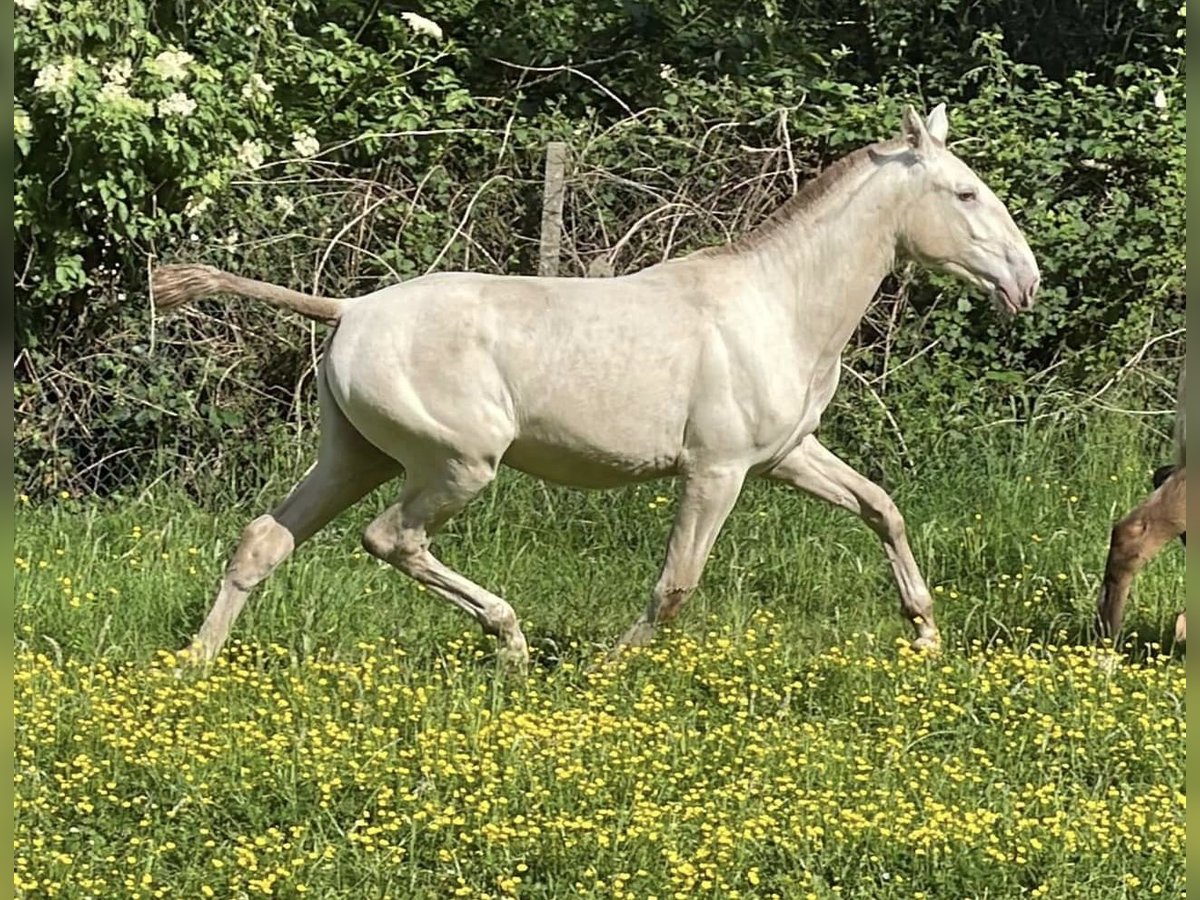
(264, 544)
(893, 522)
(885, 518)
(1125, 542)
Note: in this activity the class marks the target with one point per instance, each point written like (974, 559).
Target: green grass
(780, 741)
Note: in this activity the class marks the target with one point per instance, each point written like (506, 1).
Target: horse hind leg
(401, 536)
(348, 466)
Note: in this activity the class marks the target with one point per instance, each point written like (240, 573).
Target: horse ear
(915, 133)
(937, 125)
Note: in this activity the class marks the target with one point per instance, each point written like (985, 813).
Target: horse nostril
(1030, 291)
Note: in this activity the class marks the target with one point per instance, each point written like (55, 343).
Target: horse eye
(966, 196)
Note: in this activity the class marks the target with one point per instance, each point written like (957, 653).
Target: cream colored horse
(711, 368)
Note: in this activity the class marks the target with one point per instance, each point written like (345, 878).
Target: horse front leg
(812, 468)
(1135, 540)
(707, 498)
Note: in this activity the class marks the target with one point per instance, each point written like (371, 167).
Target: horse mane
(808, 197)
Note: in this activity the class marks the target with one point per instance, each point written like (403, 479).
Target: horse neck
(833, 255)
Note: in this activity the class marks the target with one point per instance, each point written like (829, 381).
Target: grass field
(780, 741)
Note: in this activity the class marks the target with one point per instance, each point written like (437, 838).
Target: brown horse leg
(1135, 541)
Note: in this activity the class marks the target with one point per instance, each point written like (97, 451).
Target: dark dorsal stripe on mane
(807, 197)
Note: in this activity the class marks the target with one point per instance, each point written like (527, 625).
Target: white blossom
(114, 94)
(171, 65)
(178, 104)
(257, 87)
(285, 205)
(197, 206)
(1160, 99)
(667, 73)
(27, 5)
(21, 124)
(119, 72)
(422, 25)
(305, 143)
(117, 96)
(54, 78)
(251, 154)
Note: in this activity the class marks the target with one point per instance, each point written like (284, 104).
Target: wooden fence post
(552, 204)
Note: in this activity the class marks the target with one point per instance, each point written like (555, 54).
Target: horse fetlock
(513, 651)
(260, 529)
(512, 658)
(379, 540)
(501, 622)
(1127, 537)
(668, 603)
(920, 613)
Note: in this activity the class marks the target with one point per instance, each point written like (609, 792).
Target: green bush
(338, 146)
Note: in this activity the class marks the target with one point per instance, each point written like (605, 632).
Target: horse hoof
(928, 643)
(640, 634)
(190, 659)
(513, 658)
(1107, 660)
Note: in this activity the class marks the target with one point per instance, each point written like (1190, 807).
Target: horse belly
(587, 441)
(593, 467)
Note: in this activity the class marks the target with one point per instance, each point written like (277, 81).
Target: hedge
(339, 146)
